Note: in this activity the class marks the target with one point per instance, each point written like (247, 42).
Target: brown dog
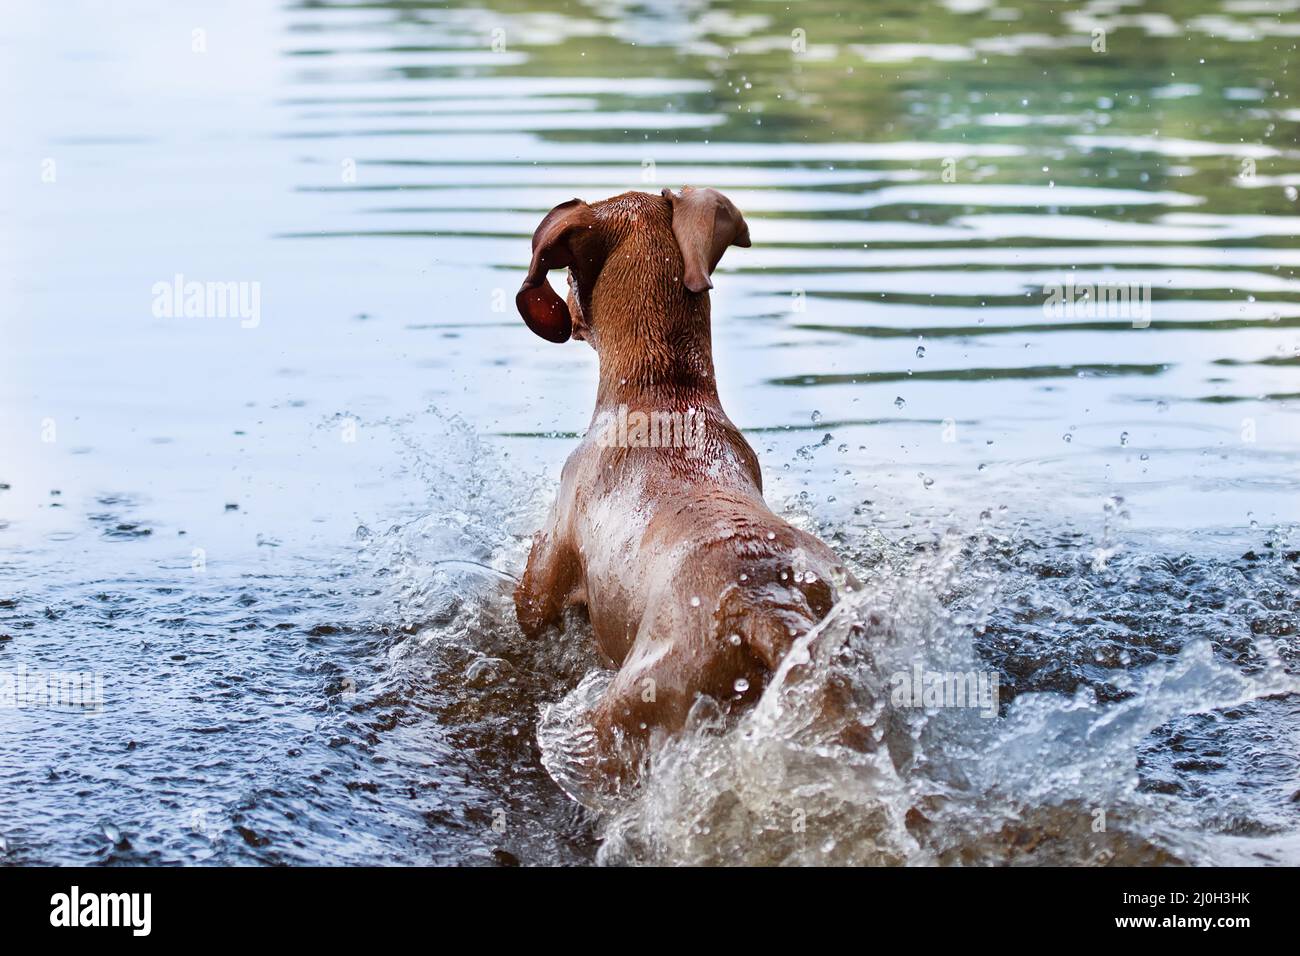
(693, 586)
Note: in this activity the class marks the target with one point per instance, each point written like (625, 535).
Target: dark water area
(283, 536)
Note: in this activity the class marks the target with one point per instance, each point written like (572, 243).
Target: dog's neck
(651, 334)
(659, 359)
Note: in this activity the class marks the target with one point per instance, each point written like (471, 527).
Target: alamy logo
(1088, 300)
(935, 689)
(103, 909)
(630, 428)
(181, 299)
(22, 689)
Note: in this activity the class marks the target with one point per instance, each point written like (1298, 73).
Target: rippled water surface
(286, 544)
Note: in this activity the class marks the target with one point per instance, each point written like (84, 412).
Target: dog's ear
(705, 223)
(562, 240)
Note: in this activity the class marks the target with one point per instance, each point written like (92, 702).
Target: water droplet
(734, 640)
(695, 602)
(816, 417)
(1123, 438)
(920, 351)
(741, 685)
(899, 402)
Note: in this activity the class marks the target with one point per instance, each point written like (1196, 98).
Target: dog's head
(675, 239)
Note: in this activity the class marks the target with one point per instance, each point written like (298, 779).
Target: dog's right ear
(563, 240)
(705, 223)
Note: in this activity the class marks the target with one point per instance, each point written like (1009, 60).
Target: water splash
(829, 768)
(1113, 663)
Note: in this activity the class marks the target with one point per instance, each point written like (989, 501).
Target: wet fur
(636, 534)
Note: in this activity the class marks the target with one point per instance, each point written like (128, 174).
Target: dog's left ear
(563, 240)
(705, 223)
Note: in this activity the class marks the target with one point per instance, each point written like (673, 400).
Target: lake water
(283, 536)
